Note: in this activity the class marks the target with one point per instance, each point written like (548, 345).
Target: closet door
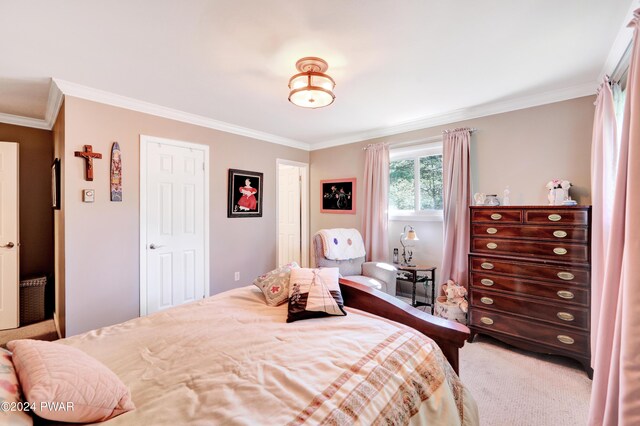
(9, 253)
(175, 234)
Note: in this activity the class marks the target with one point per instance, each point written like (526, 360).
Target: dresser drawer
(566, 315)
(496, 215)
(559, 251)
(557, 274)
(560, 293)
(558, 337)
(532, 232)
(559, 216)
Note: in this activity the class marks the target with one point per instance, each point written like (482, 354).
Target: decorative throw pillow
(10, 394)
(275, 284)
(67, 385)
(314, 293)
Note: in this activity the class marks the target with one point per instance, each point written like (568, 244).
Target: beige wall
(523, 149)
(102, 239)
(36, 219)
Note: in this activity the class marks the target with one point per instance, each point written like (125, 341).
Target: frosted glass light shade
(408, 236)
(311, 88)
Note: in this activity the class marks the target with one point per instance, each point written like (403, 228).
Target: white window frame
(415, 152)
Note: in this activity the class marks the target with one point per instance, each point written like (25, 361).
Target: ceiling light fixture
(311, 88)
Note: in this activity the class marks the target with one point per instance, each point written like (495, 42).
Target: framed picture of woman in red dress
(245, 194)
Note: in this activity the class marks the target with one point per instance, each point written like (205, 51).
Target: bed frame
(450, 336)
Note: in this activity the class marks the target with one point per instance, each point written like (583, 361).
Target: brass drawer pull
(560, 251)
(559, 234)
(565, 339)
(491, 230)
(486, 265)
(554, 217)
(565, 294)
(486, 320)
(487, 282)
(492, 246)
(565, 316)
(487, 300)
(567, 276)
(496, 216)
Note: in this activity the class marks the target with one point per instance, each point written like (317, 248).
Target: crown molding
(463, 114)
(18, 120)
(104, 97)
(53, 104)
(60, 88)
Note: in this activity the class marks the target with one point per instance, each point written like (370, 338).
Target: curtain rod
(418, 141)
(623, 65)
(472, 129)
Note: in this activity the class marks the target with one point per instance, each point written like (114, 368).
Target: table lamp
(407, 239)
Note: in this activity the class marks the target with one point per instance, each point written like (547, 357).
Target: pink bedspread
(231, 359)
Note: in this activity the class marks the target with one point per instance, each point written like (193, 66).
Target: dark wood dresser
(529, 278)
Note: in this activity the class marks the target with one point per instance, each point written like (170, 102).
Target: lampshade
(411, 235)
(408, 236)
(311, 88)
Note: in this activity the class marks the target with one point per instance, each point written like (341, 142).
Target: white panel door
(175, 210)
(288, 214)
(9, 248)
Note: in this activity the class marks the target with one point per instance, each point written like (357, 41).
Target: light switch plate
(88, 195)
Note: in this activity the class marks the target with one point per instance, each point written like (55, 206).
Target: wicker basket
(32, 300)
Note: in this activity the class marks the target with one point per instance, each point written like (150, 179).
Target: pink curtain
(456, 198)
(376, 201)
(615, 397)
(604, 153)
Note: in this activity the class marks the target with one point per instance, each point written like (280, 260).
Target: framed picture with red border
(338, 196)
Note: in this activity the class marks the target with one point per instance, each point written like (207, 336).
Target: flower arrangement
(558, 183)
(558, 191)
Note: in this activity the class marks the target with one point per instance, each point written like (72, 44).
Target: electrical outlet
(236, 276)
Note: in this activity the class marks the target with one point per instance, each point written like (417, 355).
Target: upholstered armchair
(378, 275)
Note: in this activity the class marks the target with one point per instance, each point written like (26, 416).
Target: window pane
(431, 182)
(402, 190)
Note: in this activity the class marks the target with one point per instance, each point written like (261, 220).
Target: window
(415, 182)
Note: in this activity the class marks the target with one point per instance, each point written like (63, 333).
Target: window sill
(416, 217)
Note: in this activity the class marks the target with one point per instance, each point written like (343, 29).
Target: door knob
(8, 245)
(152, 246)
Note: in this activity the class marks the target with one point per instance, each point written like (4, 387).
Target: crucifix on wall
(88, 155)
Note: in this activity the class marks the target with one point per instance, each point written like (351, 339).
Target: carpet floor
(520, 388)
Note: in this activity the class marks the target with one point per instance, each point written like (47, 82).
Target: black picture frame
(244, 198)
(55, 184)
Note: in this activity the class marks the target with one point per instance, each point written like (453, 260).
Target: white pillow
(314, 293)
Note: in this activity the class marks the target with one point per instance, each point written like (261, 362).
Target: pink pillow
(53, 373)
(10, 394)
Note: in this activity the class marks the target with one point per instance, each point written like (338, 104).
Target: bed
(231, 359)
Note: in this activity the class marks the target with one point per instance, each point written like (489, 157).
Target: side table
(419, 274)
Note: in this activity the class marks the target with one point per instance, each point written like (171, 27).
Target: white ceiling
(230, 60)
